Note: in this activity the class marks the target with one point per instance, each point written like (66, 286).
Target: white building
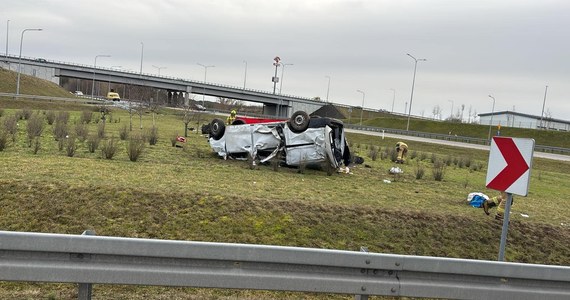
(520, 120)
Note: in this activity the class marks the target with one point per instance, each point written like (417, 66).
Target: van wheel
(217, 129)
(238, 122)
(299, 121)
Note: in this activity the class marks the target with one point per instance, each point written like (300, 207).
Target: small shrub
(82, 131)
(467, 162)
(86, 117)
(36, 145)
(302, 165)
(419, 170)
(476, 166)
(93, 143)
(101, 130)
(25, 114)
(50, 117)
(456, 161)
(433, 158)
(11, 126)
(60, 130)
(3, 140)
(124, 132)
(373, 153)
(34, 127)
(1, 112)
(152, 135)
(135, 147)
(438, 170)
(173, 139)
(61, 143)
(70, 146)
(413, 154)
(109, 148)
(392, 153)
(461, 163)
(448, 160)
(423, 156)
(63, 116)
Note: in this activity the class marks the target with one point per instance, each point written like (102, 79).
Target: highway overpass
(179, 89)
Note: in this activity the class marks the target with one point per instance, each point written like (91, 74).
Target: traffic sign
(510, 161)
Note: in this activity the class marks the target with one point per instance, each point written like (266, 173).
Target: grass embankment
(190, 194)
(30, 85)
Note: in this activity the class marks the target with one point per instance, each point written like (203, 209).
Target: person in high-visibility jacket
(498, 201)
(231, 117)
(402, 150)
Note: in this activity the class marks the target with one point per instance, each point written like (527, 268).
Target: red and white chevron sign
(510, 161)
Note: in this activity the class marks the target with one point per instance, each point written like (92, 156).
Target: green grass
(190, 194)
(30, 85)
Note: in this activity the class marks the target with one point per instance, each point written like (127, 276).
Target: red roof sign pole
(510, 161)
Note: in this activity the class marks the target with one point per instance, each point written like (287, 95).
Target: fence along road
(87, 259)
(455, 143)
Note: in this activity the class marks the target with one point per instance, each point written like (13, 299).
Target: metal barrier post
(362, 297)
(85, 289)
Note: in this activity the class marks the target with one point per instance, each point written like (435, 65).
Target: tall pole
(142, 54)
(275, 78)
(157, 67)
(7, 32)
(362, 108)
(413, 83)
(281, 80)
(328, 87)
(505, 229)
(20, 57)
(543, 103)
(205, 74)
(451, 115)
(95, 67)
(393, 99)
(491, 121)
(245, 74)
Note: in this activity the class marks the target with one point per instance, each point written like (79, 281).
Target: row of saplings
(439, 163)
(69, 136)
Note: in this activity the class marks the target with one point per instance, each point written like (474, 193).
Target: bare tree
(469, 114)
(227, 102)
(436, 112)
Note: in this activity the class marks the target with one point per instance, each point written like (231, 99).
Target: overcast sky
(510, 49)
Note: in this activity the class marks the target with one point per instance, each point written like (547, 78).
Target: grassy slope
(30, 85)
(189, 194)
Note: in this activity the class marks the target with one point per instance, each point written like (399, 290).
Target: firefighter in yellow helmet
(231, 117)
(402, 150)
(498, 201)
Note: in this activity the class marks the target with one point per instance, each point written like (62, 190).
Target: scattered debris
(396, 170)
(387, 181)
(524, 215)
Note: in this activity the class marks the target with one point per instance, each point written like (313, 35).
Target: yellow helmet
(233, 113)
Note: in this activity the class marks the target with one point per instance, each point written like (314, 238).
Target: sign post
(510, 161)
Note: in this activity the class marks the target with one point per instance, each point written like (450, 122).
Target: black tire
(238, 122)
(299, 121)
(217, 129)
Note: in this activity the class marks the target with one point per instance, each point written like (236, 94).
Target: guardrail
(82, 100)
(88, 259)
(447, 137)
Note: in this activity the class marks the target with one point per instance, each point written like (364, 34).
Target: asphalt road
(454, 144)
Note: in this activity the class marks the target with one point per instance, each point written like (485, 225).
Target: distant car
(41, 60)
(78, 93)
(113, 96)
(299, 140)
(200, 107)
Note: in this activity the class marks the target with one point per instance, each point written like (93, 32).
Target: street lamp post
(94, 67)
(245, 74)
(205, 74)
(7, 32)
(451, 115)
(142, 54)
(362, 108)
(393, 99)
(158, 68)
(275, 78)
(20, 57)
(543, 103)
(491, 121)
(328, 87)
(413, 83)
